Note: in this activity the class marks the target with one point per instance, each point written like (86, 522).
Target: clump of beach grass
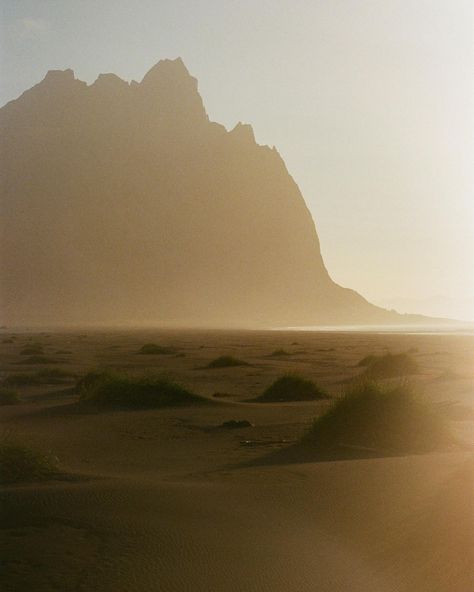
(152, 349)
(366, 361)
(110, 389)
(20, 463)
(384, 419)
(291, 387)
(226, 362)
(389, 366)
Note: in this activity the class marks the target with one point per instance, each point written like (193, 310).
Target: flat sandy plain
(165, 500)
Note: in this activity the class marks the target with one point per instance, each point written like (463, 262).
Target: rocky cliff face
(123, 204)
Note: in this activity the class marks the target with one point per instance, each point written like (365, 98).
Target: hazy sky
(369, 102)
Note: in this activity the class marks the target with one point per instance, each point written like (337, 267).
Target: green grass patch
(20, 463)
(390, 420)
(366, 361)
(152, 349)
(110, 389)
(226, 362)
(291, 387)
(390, 366)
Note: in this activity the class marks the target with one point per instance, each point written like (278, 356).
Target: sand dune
(162, 500)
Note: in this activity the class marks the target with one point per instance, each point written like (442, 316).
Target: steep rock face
(123, 204)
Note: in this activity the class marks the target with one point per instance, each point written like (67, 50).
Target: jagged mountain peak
(109, 81)
(57, 82)
(243, 131)
(167, 69)
(53, 76)
(169, 90)
(135, 193)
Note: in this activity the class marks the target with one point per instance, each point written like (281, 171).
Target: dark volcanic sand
(162, 500)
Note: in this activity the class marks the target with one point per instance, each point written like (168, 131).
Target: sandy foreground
(166, 500)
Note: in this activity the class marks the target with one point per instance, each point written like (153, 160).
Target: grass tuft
(226, 362)
(389, 366)
(392, 420)
(109, 389)
(19, 463)
(291, 387)
(366, 361)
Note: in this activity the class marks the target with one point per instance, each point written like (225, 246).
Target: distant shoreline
(458, 329)
(454, 329)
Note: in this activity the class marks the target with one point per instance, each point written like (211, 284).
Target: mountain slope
(123, 204)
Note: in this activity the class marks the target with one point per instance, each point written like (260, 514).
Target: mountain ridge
(129, 189)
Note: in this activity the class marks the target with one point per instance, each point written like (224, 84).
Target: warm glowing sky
(369, 102)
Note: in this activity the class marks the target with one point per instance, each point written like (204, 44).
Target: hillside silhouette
(124, 204)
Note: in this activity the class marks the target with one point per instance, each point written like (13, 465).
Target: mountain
(123, 204)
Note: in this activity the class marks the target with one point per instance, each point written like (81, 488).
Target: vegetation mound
(226, 362)
(152, 349)
(8, 397)
(19, 463)
(366, 361)
(122, 391)
(291, 387)
(91, 380)
(390, 366)
(392, 420)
